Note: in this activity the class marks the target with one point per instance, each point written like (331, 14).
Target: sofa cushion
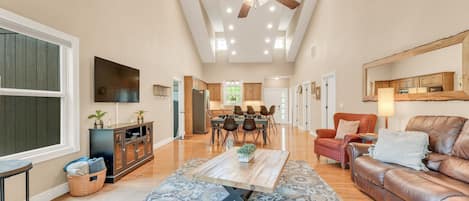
(329, 143)
(456, 168)
(433, 161)
(461, 146)
(372, 170)
(444, 180)
(442, 130)
(409, 185)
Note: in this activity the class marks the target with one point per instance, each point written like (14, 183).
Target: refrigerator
(200, 106)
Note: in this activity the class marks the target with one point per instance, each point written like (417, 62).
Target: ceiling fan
(247, 4)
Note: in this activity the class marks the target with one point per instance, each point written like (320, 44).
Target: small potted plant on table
(98, 122)
(246, 153)
(140, 114)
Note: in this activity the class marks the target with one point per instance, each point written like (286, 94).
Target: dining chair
(230, 126)
(238, 110)
(251, 110)
(249, 126)
(272, 117)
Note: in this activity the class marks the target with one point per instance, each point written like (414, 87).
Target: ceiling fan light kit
(248, 4)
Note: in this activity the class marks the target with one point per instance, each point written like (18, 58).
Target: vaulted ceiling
(215, 27)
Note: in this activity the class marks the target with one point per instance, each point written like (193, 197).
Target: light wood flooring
(139, 183)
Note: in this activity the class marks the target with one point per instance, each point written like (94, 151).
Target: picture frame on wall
(313, 88)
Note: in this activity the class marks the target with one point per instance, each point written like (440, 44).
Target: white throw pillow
(404, 148)
(346, 127)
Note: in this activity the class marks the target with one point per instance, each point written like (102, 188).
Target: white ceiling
(249, 33)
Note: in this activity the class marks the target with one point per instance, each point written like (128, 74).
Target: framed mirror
(436, 71)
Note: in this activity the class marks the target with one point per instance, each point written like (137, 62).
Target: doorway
(328, 100)
(178, 109)
(280, 98)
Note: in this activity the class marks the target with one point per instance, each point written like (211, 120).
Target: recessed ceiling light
(229, 10)
(232, 41)
(269, 26)
(266, 52)
(267, 40)
(272, 8)
(276, 78)
(231, 27)
(233, 52)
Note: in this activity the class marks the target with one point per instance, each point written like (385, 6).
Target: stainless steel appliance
(200, 105)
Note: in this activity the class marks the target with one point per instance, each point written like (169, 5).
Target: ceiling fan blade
(292, 4)
(244, 11)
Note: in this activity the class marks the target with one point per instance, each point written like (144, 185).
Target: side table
(10, 168)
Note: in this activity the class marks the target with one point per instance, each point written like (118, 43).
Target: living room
(335, 42)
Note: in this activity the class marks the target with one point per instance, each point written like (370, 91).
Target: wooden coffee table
(261, 174)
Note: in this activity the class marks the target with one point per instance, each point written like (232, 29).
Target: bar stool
(11, 168)
(238, 110)
(251, 110)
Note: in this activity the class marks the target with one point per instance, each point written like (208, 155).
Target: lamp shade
(386, 102)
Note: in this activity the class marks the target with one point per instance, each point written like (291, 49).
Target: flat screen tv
(115, 82)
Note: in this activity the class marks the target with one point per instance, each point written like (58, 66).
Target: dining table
(217, 124)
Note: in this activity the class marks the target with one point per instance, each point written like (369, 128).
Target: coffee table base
(237, 194)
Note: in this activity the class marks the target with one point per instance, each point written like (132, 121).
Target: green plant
(247, 149)
(140, 113)
(98, 115)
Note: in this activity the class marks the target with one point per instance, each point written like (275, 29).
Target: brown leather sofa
(325, 143)
(448, 178)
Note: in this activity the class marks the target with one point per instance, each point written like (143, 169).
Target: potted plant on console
(98, 116)
(246, 153)
(140, 116)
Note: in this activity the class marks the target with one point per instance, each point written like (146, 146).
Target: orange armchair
(325, 143)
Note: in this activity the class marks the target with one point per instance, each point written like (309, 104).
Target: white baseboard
(163, 142)
(52, 193)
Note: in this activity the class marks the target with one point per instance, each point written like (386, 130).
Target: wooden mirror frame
(460, 38)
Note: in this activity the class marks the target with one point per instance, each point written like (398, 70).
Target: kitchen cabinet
(215, 91)
(252, 91)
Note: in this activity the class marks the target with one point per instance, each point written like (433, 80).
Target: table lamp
(386, 103)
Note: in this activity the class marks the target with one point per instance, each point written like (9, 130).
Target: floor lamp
(386, 103)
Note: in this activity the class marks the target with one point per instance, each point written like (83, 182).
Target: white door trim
(325, 96)
(181, 106)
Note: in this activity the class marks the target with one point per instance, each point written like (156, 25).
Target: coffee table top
(260, 174)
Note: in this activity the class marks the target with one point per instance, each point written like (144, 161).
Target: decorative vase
(245, 158)
(98, 124)
(139, 120)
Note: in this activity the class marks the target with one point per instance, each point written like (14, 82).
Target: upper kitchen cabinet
(215, 91)
(252, 91)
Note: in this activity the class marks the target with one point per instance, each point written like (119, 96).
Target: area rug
(298, 182)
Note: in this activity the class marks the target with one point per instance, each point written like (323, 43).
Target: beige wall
(149, 35)
(248, 72)
(348, 34)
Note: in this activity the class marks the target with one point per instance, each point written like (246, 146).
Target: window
(232, 93)
(279, 43)
(221, 44)
(38, 90)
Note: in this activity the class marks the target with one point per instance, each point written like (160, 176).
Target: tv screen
(115, 82)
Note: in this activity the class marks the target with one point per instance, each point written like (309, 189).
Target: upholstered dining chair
(251, 110)
(238, 110)
(249, 126)
(230, 126)
(325, 143)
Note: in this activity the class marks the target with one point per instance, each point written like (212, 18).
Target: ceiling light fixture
(272, 8)
(229, 10)
(266, 52)
(231, 27)
(269, 26)
(233, 52)
(267, 40)
(232, 41)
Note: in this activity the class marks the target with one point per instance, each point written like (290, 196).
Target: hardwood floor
(139, 183)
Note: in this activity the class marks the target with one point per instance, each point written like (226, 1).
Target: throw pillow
(346, 127)
(404, 148)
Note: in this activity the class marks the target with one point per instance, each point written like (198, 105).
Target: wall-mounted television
(115, 82)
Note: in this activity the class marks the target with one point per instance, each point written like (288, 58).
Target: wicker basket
(86, 185)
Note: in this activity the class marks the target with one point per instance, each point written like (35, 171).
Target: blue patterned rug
(298, 182)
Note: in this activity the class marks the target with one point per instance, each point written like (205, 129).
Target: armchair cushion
(329, 143)
(346, 127)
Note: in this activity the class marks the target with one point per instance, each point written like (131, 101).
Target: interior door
(328, 101)
(278, 97)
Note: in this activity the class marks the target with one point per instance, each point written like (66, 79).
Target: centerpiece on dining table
(246, 153)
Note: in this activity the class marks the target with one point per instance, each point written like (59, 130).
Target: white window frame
(69, 86)
(225, 83)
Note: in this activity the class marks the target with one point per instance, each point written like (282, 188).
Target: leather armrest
(351, 138)
(356, 150)
(325, 133)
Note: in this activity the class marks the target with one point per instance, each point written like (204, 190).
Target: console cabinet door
(130, 154)
(149, 141)
(118, 151)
